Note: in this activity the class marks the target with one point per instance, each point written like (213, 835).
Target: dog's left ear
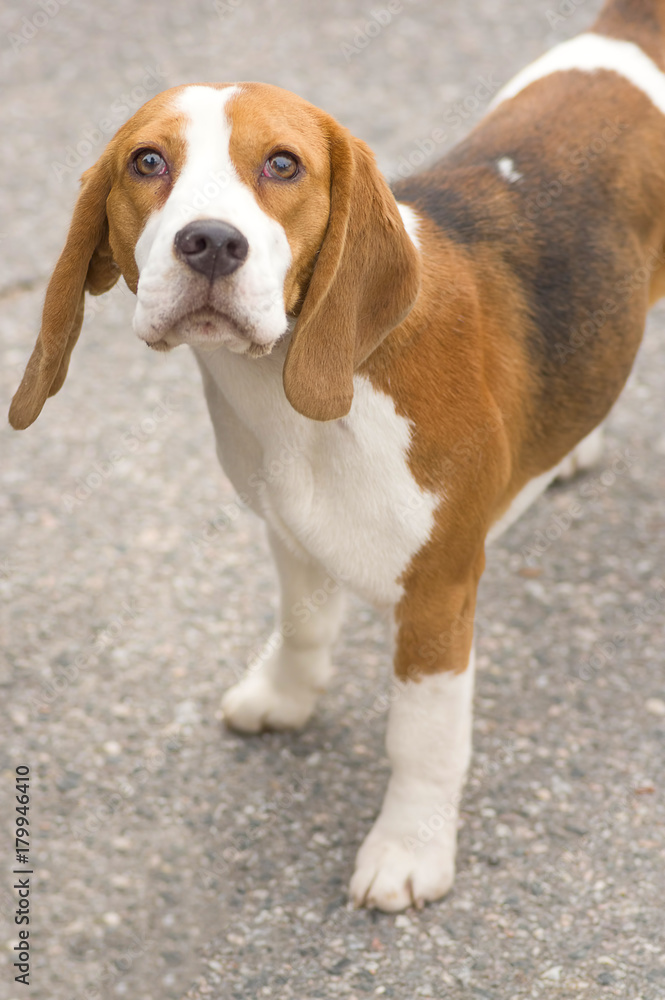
(365, 281)
(86, 263)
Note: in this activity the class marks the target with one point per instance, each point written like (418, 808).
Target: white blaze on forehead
(588, 53)
(207, 170)
(209, 182)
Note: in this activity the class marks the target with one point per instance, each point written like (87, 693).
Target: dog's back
(559, 196)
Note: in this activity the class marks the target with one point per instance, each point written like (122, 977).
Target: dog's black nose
(211, 247)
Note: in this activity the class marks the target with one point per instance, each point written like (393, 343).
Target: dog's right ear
(86, 263)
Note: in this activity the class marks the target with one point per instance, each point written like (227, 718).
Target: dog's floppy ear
(85, 263)
(364, 283)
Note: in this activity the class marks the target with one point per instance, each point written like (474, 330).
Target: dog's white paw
(255, 704)
(278, 691)
(584, 456)
(393, 872)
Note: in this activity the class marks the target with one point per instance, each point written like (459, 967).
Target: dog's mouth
(208, 328)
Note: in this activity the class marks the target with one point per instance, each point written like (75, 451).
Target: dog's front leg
(281, 686)
(409, 855)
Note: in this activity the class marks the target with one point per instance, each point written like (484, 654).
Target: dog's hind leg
(583, 456)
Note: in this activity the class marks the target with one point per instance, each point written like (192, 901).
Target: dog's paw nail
(390, 876)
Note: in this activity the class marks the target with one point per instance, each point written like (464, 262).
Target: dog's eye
(282, 166)
(150, 163)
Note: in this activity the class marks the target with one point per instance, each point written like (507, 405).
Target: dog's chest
(342, 491)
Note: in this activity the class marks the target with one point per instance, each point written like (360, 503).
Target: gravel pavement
(172, 858)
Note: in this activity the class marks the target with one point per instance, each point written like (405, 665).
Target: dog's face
(229, 191)
(231, 210)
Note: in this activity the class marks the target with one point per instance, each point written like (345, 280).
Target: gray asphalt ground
(173, 858)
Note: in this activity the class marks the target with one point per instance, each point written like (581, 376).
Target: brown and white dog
(430, 358)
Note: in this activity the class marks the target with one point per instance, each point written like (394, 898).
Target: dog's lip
(209, 316)
(203, 320)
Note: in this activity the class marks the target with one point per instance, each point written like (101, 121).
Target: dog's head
(233, 212)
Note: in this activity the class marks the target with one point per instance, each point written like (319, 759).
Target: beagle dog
(418, 364)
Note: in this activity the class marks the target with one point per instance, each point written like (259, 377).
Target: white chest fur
(342, 491)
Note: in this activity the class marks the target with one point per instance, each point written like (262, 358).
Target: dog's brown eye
(150, 163)
(282, 166)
